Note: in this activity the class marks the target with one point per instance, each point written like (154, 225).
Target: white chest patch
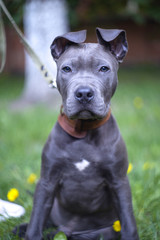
(82, 165)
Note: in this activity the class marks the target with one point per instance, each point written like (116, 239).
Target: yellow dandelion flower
(117, 226)
(138, 102)
(130, 167)
(148, 165)
(32, 178)
(12, 194)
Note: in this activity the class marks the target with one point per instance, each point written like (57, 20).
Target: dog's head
(87, 72)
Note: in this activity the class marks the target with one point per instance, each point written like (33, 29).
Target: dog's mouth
(84, 114)
(88, 114)
(91, 111)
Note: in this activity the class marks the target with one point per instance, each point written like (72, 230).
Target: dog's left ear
(61, 43)
(115, 40)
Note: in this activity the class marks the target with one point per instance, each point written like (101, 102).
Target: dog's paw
(67, 231)
(130, 237)
(20, 230)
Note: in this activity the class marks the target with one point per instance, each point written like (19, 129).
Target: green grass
(23, 134)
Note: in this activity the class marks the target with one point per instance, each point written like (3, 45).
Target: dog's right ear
(61, 43)
(115, 40)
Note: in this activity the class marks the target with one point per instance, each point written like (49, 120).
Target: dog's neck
(78, 128)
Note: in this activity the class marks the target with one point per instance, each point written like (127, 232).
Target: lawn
(136, 106)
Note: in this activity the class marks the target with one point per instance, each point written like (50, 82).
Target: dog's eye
(104, 69)
(66, 69)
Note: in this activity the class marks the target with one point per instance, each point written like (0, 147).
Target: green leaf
(60, 236)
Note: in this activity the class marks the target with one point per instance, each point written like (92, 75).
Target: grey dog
(84, 188)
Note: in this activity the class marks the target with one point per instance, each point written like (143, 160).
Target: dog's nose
(84, 94)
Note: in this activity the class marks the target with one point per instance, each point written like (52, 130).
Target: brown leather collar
(78, 128)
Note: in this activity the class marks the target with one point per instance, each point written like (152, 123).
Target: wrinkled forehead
(87, 52)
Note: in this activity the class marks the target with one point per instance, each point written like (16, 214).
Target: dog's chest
(83, 161)
(83, 182)
(81, 175)
(83, 186)
(82, 165)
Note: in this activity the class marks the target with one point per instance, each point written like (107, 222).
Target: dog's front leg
(123, 202)
(44, 195)
(43, 201)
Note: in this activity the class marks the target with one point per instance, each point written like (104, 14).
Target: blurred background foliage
(140, 11)
(80, 11)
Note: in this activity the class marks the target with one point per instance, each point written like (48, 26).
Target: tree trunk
(43, 21)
